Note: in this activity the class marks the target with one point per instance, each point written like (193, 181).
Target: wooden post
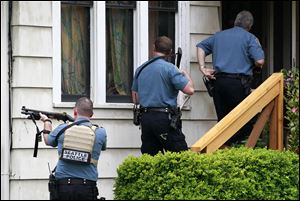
(259, 125)
(280, 115)
(274, 127)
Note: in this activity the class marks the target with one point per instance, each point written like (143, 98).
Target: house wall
(32, 86)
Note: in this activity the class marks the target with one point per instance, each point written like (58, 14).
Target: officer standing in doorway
(79, 147)
(235, 51)
(155, 87)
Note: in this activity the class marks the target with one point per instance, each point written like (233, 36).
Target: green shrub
(229, 174)
(291, 98)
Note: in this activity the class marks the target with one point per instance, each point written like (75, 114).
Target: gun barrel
(52, 115)
(36, 111)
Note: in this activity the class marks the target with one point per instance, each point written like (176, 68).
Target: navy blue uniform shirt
(233, 50)
(65, 169)
(158, 84)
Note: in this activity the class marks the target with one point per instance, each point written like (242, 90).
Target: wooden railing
(267, 100)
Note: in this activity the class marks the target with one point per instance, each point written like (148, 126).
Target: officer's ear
(249, 28)
(153, 49)
(92, 114)
(170, 53)
(75, 112)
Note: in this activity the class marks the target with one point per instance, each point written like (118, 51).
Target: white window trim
(98, 48)
(182, 39)
(141, 38)
(56, 60)
(97, 56)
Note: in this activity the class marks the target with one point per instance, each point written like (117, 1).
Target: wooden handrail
(269, 93)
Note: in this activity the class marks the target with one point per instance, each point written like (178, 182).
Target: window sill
(96, 106)
(107, 106)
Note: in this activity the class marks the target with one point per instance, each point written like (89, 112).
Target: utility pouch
(246, 83)
(52, 187)
(210, 85)
(136, 115)
(175, 118)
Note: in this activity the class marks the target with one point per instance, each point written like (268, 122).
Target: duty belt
(231, 75)
(155, 109)
(75, 181)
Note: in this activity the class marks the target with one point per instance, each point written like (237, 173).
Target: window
(75, 50)
(119, 50)
(101, 60)
(162, 22)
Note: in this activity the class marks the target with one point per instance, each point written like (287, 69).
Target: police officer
(155, 87)
(79, 147)
(235, 51)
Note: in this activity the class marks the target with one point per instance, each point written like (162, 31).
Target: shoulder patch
(256, 39)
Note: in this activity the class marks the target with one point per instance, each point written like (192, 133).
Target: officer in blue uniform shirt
(235, 52)
(155, 87)
(75, 180)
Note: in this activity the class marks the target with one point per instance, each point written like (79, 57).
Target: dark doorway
(231, 8)
(282, 35)
(272, 26)
(258, 9)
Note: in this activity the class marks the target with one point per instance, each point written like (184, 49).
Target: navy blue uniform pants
(157, 135)
(229, 92)
(77, 192)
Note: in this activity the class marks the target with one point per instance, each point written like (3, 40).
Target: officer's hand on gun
(43, 117)
(208, 72)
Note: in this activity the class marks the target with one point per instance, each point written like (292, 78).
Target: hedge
(229, 174)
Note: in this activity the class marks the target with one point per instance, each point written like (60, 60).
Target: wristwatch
(46, 131)
(48, 120)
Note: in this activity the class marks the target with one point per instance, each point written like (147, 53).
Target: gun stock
(35, 115)
(179, 55)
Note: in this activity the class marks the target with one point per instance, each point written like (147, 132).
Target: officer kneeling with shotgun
(79, 147)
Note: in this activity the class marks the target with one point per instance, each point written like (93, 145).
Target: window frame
(122, 98)
(166, 9)
(98, 54)
(72, 97)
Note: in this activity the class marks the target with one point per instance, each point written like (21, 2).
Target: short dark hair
(244, 19)
(163, 44)
(84, 106)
